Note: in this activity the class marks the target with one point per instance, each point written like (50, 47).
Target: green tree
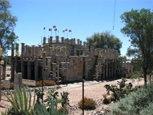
(139, 27)
(7, 24)
(104, 40)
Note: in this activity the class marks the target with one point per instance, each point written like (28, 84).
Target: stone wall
(64, 60)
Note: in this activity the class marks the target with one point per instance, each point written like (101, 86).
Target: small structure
(127, 67)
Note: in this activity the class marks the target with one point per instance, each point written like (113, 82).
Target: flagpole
(41, 40)
(44, 31)
(67, 34)
(54, 27)
(71, 34)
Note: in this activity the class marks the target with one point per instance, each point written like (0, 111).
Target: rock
(102, 112)
(95, 113)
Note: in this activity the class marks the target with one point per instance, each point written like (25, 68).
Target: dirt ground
(93, 89)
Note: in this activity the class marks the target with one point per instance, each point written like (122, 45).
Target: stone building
(64, 60)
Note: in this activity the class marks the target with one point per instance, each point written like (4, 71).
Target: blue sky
(83, 17)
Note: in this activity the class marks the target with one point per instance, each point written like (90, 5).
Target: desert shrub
(133, 103)
(3, 113)
(8, 75)
(89, 104)
(49, 82)
(22, 103)
(148, 110)
(62, 109)
(106, 100)
(119, 91)
(135, 75)
(45, 82)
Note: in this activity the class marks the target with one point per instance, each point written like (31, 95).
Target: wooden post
(0, 81)
(4, 69)
(83, 77)
(0, 70)
(17, 81)
(12, 63)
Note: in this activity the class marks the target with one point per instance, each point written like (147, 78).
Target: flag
(70, 30)
(65, 29)
(54, 26)
(55, 29)
(50, 29)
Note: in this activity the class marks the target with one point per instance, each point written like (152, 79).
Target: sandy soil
(93, 89)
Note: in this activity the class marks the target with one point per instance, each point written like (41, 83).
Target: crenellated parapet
(66, 60)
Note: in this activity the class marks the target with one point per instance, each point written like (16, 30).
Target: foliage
(51, 95)
(139, 101)
(47, 82)
(7, 24)
(119, 91)
(65, 99)
(21, 102)
(106, 100)
(136, 63)
(89, 104)
(40, 109)
(139, 27)
(62, 109)
(52, 101)
(104, 40)
(148, 110)
(4, 113)
(39, 93)
(121, 83)
(135, 75)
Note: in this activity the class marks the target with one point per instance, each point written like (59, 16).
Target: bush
(135, 75)
(106, 100)
(21, 102)
(148, 110)
(62, 109)
(119, 91)
(89, 104)
(45, 82)
(134, 103)
(40, 109)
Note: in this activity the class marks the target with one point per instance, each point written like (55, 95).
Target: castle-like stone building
(64, 60)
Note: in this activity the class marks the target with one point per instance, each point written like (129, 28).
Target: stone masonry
(64, 60)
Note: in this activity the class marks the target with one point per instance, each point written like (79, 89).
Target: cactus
(39, 94)
(21, 103)
(51, 95)
(41, 109)
(65, 100)
(121, 91)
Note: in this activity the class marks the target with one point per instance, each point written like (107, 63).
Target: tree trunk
(145, 76)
